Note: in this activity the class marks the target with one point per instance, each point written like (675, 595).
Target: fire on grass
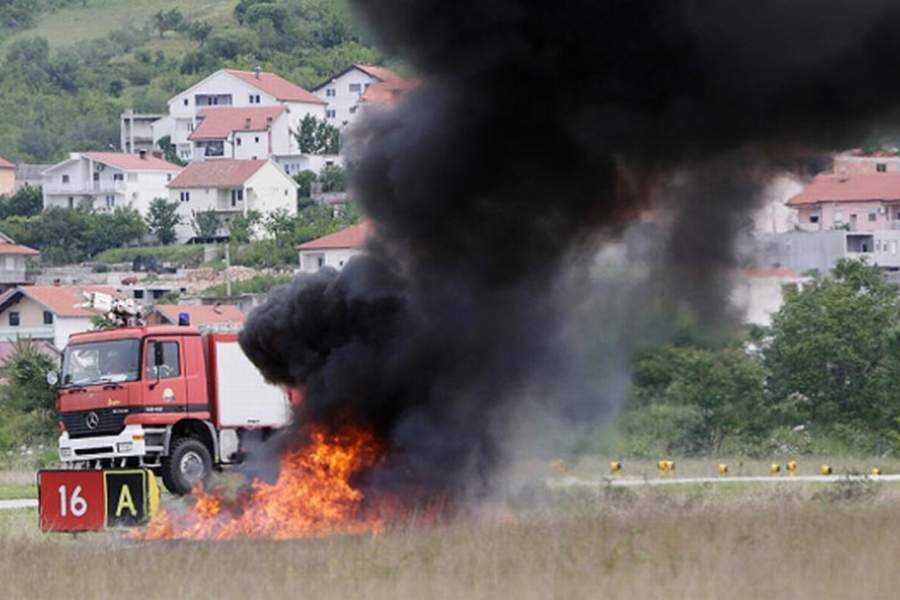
(313, 496)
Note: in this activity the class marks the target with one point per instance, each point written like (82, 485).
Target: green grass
(259, 284)
(17, 491)
(191, 255)
(101, 17)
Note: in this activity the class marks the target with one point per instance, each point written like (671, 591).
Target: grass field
(15, 485)
(778, 541)
(78, 23)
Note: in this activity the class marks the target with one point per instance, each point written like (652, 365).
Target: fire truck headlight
(124, 447)
(65, 452)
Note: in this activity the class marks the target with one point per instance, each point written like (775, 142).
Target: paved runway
(11, 504)
(623, 482)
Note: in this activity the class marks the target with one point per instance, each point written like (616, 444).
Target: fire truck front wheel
(187, 464)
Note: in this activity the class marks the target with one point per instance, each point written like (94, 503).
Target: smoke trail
(540, 131)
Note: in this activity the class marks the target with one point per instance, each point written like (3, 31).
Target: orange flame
(313, 496)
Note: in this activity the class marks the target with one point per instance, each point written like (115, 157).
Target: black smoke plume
(540, 131)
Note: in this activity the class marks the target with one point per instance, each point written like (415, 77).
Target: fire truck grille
(95, 422)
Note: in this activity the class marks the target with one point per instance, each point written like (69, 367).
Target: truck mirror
(52, 378)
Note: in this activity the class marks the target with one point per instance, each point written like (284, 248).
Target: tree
(721, 389)
(240, 227)
(316, 136)
(171, 20)
(198, 31)
(333, 179)
(162, 218)
(304, 180)
(27, 396)
(206, 224)
(169, 150)
(280, 225)
(835, 348)
(26, 202)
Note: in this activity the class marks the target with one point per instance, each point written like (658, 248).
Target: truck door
(164, 386)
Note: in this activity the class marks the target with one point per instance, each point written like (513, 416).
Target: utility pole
(228, 268)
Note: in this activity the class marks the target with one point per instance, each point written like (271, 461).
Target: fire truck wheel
(188, 463)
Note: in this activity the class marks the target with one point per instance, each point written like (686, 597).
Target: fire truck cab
(167, 398)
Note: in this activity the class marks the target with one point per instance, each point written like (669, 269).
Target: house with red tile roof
(230, 88)
(105, 181)
(208, 318)
(334, 250)
(15, 262)
(865, 202)
(7, 177)
(47, 313)
(229, 188)
(358, 85)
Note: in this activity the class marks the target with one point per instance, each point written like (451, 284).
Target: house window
(14, 319)
(138, 294)
(353, 110)
(256, 139)
(813, 218)
(118, 177)
(331, 92)
(254, 99)
(873, 216)
(96, 176)
(110, 202)
(71, 202)
(185, 196)
(48, 317)
(236, 196)
(65, 179)
(355, 88)
(238, 141)
(185, 101)
(331, 113)
(169, 177)
(881, 167)
(170, 367)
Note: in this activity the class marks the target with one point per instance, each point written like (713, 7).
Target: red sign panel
(71, 500)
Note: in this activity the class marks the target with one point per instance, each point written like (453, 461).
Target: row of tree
(823, 378)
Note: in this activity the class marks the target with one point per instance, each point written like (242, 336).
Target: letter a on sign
(125, 501)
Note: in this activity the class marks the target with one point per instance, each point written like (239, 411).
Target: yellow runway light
(723, 469)
(775, 469)
(615, 467)
(875, 471)
(826, 470)
(792, 468)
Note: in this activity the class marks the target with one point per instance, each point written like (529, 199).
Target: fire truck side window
(170, 367)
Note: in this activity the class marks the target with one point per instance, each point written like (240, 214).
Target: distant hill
(81, 20)
(71, 67)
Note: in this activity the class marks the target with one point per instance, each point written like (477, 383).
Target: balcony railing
(95, 187)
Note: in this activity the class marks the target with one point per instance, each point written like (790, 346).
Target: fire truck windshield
(101, 362)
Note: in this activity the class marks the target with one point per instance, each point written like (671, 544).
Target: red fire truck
(167, 398)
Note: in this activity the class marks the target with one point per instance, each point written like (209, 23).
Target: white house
(239, 89)
(228, 188)
(107, 180)
(333, 250)
(345, 91)
(46, 313)
(254, 133)
(136, 131)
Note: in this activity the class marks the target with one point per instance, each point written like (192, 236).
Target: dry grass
(782, 542)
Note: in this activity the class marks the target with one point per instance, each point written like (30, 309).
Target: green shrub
(191, 255)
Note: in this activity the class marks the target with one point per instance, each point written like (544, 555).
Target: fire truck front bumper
(130, 442)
